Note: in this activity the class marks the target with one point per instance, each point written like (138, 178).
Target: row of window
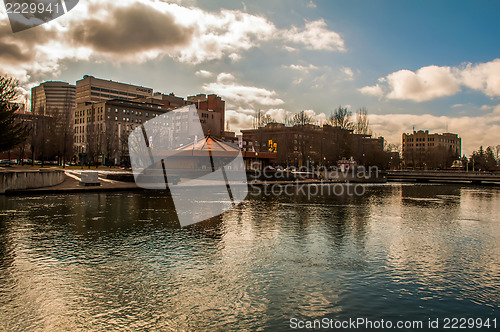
(137, 113)
(420, 144)
(430, 139)
(129, 119)
(100, 110)
(116, 92)
(204, 115)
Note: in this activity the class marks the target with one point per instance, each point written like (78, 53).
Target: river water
(112, 261)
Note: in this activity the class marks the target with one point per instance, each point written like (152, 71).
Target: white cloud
(225, 77)
(425, 84)
(374, 90)
(278, 114)
(432, 82)
(136, 31)
(348, 73)
(470, 129)
(203, 73)
(484, 77)
(311, 4)
(234, 57)
(302, 68)
(317, 118)
(238, 120)
(227, 87)
(316, 36)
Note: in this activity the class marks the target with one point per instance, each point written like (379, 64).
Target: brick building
(311, 144)
(215, 107)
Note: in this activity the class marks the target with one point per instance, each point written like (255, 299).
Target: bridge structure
(444, 176)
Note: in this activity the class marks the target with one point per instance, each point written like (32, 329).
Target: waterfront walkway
(71, 184)
(444, 176)
(107, 182)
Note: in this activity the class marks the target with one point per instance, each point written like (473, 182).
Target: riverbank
(28, 179)
(123, 181)
(71, 184)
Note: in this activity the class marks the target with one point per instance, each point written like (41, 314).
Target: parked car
(5, 163)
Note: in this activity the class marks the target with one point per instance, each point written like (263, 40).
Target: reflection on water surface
(107, 261)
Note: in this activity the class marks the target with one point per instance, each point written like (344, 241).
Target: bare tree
(110, 142)
(41, 145)
(362, 125)
(266, 119)
(301, 119)
(12, 132)
(392, 147)
(341, 118)
(63, 134)
(92, 139)
(257, 119)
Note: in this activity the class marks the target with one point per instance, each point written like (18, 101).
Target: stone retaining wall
(12, 180)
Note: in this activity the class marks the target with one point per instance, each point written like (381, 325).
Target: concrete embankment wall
(12, 180)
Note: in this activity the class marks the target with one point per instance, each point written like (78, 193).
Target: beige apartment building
(101, 130)
(428, 151)
(92, 89)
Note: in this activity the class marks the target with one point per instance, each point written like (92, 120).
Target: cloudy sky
(425, 64)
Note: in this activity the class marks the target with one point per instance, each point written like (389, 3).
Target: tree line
(483, 159)
(33, 136)
(340, 117)
(12, 132)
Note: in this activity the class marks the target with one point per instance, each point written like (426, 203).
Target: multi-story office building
(424, 150)
(53, 105)
(92, 89)
(53, 98)
(101, 129)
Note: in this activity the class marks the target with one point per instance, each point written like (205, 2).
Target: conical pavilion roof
(209, 146)
(209, 143)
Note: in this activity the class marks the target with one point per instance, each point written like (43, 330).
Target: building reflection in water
(114, 260)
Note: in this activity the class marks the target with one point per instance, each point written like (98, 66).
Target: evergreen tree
(12, 132)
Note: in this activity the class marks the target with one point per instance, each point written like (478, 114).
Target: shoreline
(71, 185)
